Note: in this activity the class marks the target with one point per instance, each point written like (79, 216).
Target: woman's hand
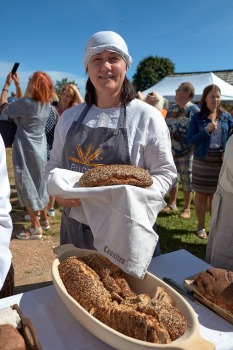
(19, 92)
(8, 79)
(4, 95)
(15, 77)
(67, 203)
(211, 127)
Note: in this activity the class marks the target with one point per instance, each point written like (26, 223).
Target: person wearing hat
(115, 126)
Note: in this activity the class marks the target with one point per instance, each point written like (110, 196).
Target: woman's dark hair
(128, 92)
(204, 109)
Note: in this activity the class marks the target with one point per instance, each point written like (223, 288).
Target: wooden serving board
(189, 285)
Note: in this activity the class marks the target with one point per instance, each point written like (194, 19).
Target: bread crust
(116, 174)
(83, 284)
(10, 338)
(100, 287)
(216, 285)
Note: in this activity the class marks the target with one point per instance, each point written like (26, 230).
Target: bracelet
(4, 90)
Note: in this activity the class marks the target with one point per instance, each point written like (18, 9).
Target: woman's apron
(85, 148)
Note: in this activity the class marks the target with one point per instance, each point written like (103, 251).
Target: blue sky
(51, 35)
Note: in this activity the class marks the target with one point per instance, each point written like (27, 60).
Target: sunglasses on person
(180, 89)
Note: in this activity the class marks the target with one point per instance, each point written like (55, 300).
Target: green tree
(60, 83)
(151, 70)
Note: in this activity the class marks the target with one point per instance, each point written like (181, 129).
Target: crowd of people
(183, 142)
(199, 133)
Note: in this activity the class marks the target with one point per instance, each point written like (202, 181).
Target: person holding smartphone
(19, 93)
(15, 68)
(30, 113)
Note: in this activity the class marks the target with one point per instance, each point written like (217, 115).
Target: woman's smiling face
(107, 72)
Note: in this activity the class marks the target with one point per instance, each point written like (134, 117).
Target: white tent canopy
(168, 85)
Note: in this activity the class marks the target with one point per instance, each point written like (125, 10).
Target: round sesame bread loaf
(116, 174)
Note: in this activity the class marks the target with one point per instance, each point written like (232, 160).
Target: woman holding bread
(111, 127)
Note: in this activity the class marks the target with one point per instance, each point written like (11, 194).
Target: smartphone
(15, 67)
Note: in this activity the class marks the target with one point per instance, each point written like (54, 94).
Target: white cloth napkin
(120, 217)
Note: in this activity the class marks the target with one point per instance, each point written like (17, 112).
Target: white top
(5, 218)
(148, 138)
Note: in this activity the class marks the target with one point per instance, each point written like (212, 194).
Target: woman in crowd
(70, 96)
(30, 113)
(208, 132)
(156, 100)
(123, 129)
(219, 245)
(6, 267)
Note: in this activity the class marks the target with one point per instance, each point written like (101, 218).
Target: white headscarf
(109, 41)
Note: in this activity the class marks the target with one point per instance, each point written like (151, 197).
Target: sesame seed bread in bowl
(146, 288)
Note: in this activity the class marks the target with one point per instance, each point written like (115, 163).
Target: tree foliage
(60, 83)
(151, 70)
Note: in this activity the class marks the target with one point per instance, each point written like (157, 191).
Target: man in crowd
(178, 118)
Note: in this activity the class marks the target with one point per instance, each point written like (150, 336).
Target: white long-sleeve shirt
(148, 138)
(5, 218)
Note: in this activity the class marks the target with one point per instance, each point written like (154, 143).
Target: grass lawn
(176, 233)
